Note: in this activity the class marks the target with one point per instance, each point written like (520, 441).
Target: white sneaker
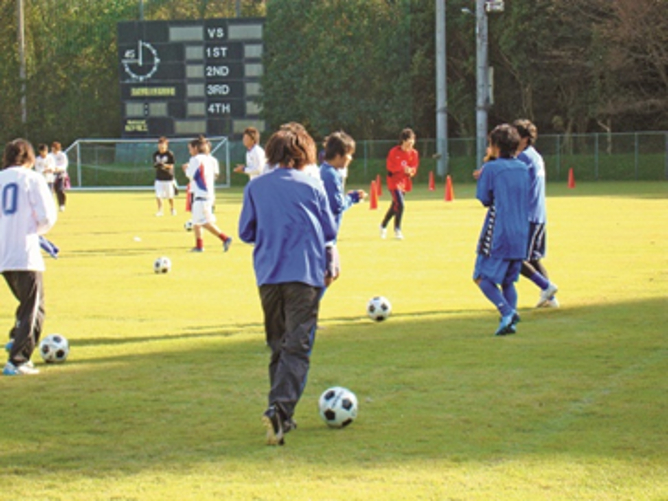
(398, 235)
(552, 303)
(383, 232)
(158, 214)
(21, 370)
(62, 208)
(173, 212)
(546, 295)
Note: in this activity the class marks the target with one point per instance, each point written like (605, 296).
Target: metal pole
(141, 10)
(22, 60)
(482, 83)
(441, 91)
(238, 8)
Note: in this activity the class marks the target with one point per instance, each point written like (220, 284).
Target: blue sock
(492, 292)
(540, 280)
(510, 295)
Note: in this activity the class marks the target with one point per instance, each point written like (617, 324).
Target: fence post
(596, 148)
(636, 160)
(558, 157)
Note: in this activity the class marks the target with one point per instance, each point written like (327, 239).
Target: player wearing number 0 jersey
(26, 212)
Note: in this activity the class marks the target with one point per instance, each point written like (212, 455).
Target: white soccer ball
(54, 348)
(188, 225)
(378, 308)
(162, 265)
(338, 407)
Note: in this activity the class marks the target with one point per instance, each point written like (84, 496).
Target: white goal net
(127, 164)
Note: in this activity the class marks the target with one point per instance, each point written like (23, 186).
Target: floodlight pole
(441, 92)
(22, 59)
(141, 10)
(482, 81)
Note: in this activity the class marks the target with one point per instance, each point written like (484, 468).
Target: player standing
(255, 158)
(503, 187)
(44, 164)
(163, 161)
(26, 212)
(61, 182)
(532, 268)
(402, 165)
(201, 172)
(285, 213)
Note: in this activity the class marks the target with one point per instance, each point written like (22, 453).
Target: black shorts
(537, 237)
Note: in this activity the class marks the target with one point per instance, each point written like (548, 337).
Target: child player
(532, 268)
(201, 172)
(286, 215)
(163, 161)
(255, 159)
(402, 165)
(503, 187)
(27, 213)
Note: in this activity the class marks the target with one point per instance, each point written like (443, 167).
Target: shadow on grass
(577, 382)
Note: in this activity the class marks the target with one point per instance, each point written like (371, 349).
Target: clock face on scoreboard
(184, 78)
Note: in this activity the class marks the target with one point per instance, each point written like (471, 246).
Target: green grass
(166, 382)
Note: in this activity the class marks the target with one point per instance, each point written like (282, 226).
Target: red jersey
(397, 161)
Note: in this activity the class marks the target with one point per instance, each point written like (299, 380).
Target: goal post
(127, 164)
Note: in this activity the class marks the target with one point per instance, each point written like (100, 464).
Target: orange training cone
(432, 186)
(571, 178)
(379, 185)
(373, 194)
(449, 192)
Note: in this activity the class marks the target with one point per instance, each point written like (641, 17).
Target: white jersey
(46, 167)
(255, 161)
(26, 212)
(202, 172)
(60, 161)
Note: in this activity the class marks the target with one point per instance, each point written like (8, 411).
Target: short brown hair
(527, 129)
(18, 152)
(338, 143)
(253, 133)
(291, 147)
(56, 146)
(406, 134)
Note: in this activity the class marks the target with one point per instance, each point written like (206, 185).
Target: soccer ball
(338, 407)
(188, 225)
(378, 308)
(54, 348)
(162, 265)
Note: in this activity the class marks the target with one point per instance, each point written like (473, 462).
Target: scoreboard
(184, 78)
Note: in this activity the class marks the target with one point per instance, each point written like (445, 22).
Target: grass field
(166, 382)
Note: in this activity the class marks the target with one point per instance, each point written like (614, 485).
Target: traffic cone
(571, 178)
(379, 185)
(373, 194)
(432, 186)
(449, 192)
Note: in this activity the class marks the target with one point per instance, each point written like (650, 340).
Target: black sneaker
(274, 423)
(289, 425)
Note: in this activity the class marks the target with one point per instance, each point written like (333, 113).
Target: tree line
(367, 66)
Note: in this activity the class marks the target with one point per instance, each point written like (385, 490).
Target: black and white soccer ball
(54, 348)
(188, 225)
(338, 407)
(378, 308)
(162, 265)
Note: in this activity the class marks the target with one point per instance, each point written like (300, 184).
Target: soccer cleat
(506, 326)
(158, 214)
(173, 212)
(9, 345)
(226, 244)
(19, 370)
(383, 232)
(516, 320)
(62, 208)
(274, 423)
(289, 425)
(398, 235)
(197, 249)
(552, 303)
(546, 295)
